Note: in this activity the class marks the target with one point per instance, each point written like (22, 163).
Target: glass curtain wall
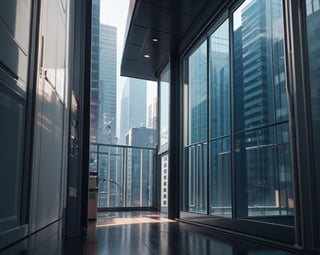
(220, 129)
(247, 121)
(262, 156)
(196, 150)
(312, 8)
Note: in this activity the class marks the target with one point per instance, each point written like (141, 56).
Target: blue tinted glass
(313, 32)
(198, 95)
(263, 173)
(197, 178)
(259, 71)
(220, 82)
(220, 185)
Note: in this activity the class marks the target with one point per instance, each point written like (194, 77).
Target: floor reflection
(148, 233)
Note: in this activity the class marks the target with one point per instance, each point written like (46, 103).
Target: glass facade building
(94, 102)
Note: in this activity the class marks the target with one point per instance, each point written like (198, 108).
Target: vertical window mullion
(208, 128)
(232, 146)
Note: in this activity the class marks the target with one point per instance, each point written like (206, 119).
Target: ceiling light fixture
(146, 56)
(154, 39)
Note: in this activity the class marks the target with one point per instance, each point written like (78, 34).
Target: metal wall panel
(12, 114)
(15, 17)
(49, 170)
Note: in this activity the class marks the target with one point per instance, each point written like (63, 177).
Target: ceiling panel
(187, 6)
(167, 20)
(144, 36)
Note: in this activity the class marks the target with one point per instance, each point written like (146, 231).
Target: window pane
(313, 32)
(220, 190)
(198, 95)
(220, 82)
(197, 176)
(313, 29)
(164, 107)
(260, 92)
(264, 180)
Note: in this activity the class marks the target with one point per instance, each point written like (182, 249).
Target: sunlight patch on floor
(107, 222)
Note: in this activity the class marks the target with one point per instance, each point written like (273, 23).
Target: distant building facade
(140, 165)
(107, 85)
(94, 102)
(133, 107)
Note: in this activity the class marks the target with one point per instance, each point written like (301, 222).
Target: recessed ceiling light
(146, 56)
(155, 39)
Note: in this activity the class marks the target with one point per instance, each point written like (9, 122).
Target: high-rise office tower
(152, 114)
(107, 84)
(133, 107)
(140, 165)
(108, 174)
(94, 103)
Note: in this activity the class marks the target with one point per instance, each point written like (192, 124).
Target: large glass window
(197, 176)
(264, 183)
(220, 181)
(313, 39)
(263, 173)
(198, 95)
(241, 146)
(197, 149)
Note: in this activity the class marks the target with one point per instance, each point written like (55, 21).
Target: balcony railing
(125, 175)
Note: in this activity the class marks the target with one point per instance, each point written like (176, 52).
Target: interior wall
(44, 55)
(15, 20)
(52, 91)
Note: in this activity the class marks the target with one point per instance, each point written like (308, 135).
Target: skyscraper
(140, 165)
(107, 84)
(106, 132)
(94, 104)
(152, 114)
(133, 107)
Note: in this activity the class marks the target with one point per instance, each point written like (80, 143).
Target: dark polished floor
(146, 233)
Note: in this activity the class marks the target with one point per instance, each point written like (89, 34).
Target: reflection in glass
(264, 182)
(260, 94)
(220, 82)
(197, 175)
(313, 31)
(220, 189)
(164, 106)
(262, 158)
(198, 95)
